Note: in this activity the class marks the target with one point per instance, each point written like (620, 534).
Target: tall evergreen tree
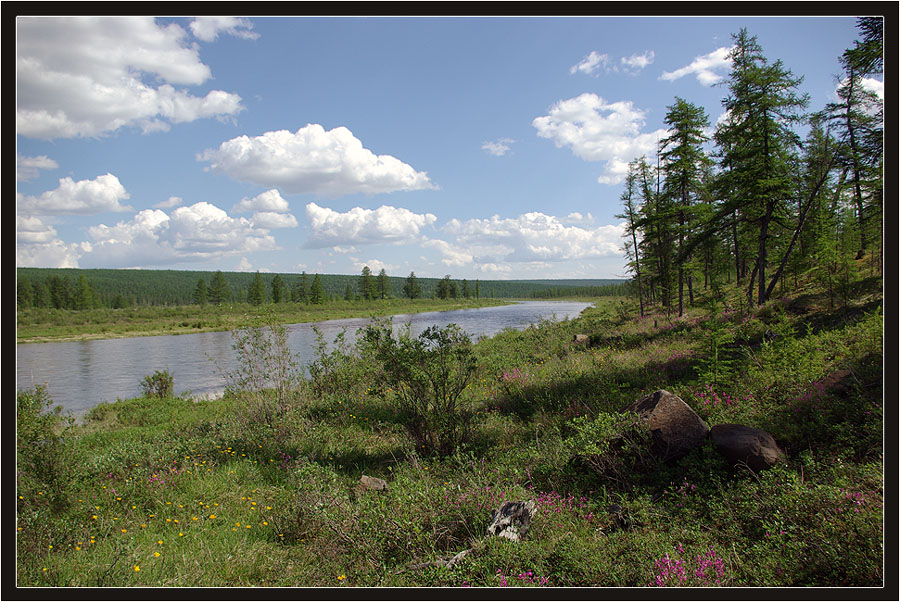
(859, 117)
(759, 148)
(629, 200)
(683, 163)
(317, 291)
(367, 286)
(384, 285)
(219, 292)
(277, 289)
(300, 290)
(200, 293)
(411, 287)
(256, 295)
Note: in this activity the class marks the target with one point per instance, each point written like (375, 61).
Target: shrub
(428, 375)
(267, 376)
(160, 384)
(40, 446)
(614, 445)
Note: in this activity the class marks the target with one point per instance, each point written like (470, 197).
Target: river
(82, 374)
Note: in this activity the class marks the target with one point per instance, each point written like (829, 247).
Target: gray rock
(582, 339)
(746, 445)
(676, 428)
(372, 483)
(512, 520)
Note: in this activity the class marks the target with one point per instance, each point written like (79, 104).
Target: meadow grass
(170, 492)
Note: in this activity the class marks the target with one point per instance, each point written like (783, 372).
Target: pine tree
(300, 290)
(317, 292)
(758, 146)
(277, 289)
(683, 163)
(859, 117)
(256, 295)
(629, 200)
(367, 285)
(218, 291)
(384, 285)
(411, 287)
(200, 293)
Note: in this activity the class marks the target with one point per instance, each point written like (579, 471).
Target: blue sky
(489, 148)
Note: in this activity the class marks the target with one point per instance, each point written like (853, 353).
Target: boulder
(512, 520)
(367, 483)
(582, 339)
(676, 428)
(740, 444)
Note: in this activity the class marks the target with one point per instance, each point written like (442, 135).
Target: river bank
(81, 374)
(48, 325)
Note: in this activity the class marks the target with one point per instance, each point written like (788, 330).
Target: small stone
(372, 483)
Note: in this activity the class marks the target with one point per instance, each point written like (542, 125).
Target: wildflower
(156, 554)
(136, 568)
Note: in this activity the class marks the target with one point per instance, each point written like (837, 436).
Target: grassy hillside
(263, 487)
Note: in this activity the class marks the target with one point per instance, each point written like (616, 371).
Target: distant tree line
(78, 289)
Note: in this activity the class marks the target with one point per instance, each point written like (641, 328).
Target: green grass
(176, 492)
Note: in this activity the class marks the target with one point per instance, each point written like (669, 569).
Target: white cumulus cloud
(332, 163)
(27, 168)
(270, 210)
(88, 76)
(708, 68)
(37, 245)
(364, 226)
(152, 237)
(535, 236)
(208, 28)
(84, 197)
(597, 130)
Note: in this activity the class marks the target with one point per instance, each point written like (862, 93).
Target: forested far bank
(80, 289)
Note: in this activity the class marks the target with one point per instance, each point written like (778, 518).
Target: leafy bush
(428, 375)
(614, 445)
(40, 446)
(267, 376)
(160, 384)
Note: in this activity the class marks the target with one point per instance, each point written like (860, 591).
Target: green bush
(40, 446)
(614, 445)
(267, 377)
(160, 384)
(428, 375)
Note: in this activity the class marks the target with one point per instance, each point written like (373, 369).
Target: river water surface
(82, 374)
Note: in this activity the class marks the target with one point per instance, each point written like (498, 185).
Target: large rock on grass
(744, 445)
(676, 428)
